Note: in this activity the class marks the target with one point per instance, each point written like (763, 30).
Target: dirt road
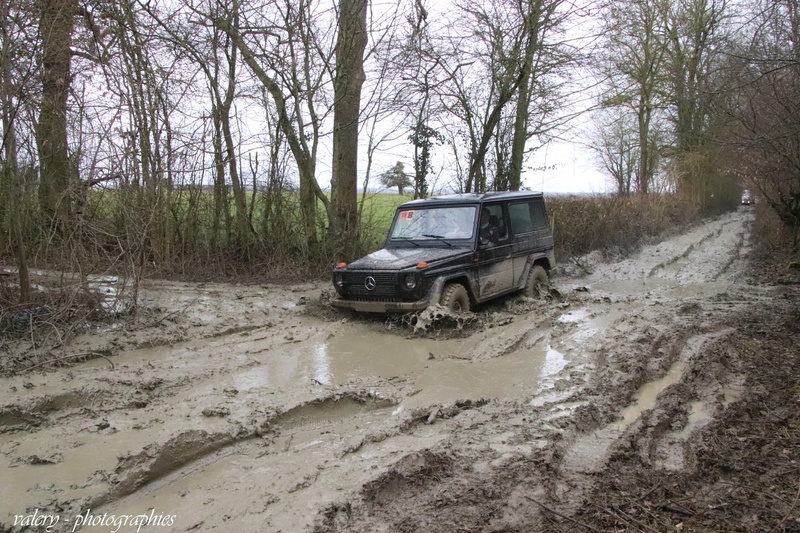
(256, 408)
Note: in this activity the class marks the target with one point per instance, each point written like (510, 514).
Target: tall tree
(695, 45)
(499, 37)
(421, 66)
(213, 52)
(499, 82)
(350, 45)
(635, 62)
(15, 72)
(57, 21)
(538, 60)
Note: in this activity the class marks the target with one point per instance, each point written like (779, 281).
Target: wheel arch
(546, 260)
(465, 280)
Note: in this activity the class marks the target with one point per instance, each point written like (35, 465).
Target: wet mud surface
(625, 402)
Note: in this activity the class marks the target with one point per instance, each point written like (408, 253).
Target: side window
(492, 224)
(521, 217)
(539, 216)
(527, 217)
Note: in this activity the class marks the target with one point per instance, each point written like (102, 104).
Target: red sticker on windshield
(407, 214)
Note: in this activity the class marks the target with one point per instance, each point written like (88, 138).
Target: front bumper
(376, 306)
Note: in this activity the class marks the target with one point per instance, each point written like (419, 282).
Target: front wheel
(538, 285)
(455, 298)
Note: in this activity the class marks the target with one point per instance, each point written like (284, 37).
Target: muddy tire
(538, 285)
(455, 298)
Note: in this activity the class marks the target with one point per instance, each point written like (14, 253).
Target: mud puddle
(313, 455)
(234, 409)
(265, 378)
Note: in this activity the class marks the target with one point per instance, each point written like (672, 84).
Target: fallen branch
(81, 354)
(181, 310)
(788, 513)
(549, 510)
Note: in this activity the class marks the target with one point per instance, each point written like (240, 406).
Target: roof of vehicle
(470, 198)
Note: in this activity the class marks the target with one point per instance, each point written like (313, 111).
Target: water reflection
(322, 370)
(645, 397)
(554, 362)
(432, 366)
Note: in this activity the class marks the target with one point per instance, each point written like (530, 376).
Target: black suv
(458, 251)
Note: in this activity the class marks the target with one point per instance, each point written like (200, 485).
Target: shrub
(618, 224)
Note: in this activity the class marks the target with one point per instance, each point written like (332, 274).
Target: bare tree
(350, 45)
(500, 41)
(765, 125)
(635, 62)
(419, 65)
(616, 147)
(212, 51)
(56, 24)
(541, 59)
(696, 41)
(16, 73)
(502, 62)
(292, 64)
(378, 107)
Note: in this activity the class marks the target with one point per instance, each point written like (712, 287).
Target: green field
(376, 216)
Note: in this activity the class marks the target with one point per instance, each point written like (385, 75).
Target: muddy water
(267, 415)
(589, 452)
(315, 451)
(646, 396)
(265, 370)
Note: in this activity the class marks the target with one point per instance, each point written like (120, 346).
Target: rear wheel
(538, 285)
(455, 298)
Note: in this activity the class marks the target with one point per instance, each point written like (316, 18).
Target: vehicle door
(531, 233)
(495, 266)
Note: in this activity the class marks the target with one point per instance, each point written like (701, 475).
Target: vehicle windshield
(433, 223)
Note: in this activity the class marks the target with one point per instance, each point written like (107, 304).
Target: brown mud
(653, 393)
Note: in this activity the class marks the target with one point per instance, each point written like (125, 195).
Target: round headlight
(410, 281)
(338, 279)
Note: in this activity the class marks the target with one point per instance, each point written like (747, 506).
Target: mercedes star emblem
(369, 283)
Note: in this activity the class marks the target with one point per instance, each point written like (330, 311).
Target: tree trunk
(242, 223)
(350, 46)
(56, 25)
(524, 99)
(476, 170)
(13, 178)
(11, 175)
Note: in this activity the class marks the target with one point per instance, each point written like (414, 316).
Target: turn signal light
(422, 264)
(341, 265)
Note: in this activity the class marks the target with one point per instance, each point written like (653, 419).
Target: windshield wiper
(439, 237)
(406, 239)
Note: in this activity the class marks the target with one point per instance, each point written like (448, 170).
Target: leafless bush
(775, 244)
(613, 223)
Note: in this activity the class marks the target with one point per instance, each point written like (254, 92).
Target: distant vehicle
(458, 251)
(747, 198)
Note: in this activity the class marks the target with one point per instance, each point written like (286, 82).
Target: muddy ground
(659, 392)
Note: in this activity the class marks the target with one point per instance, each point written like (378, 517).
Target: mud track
(258, 409)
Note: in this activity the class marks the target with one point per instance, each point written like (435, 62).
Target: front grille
(385, 285)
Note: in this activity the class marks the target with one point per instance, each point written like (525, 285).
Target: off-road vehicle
(458, 251)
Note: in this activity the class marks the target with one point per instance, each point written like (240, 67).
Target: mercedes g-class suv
(458, 251)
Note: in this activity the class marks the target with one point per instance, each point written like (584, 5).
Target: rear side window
(539, 216)
(527, 217)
